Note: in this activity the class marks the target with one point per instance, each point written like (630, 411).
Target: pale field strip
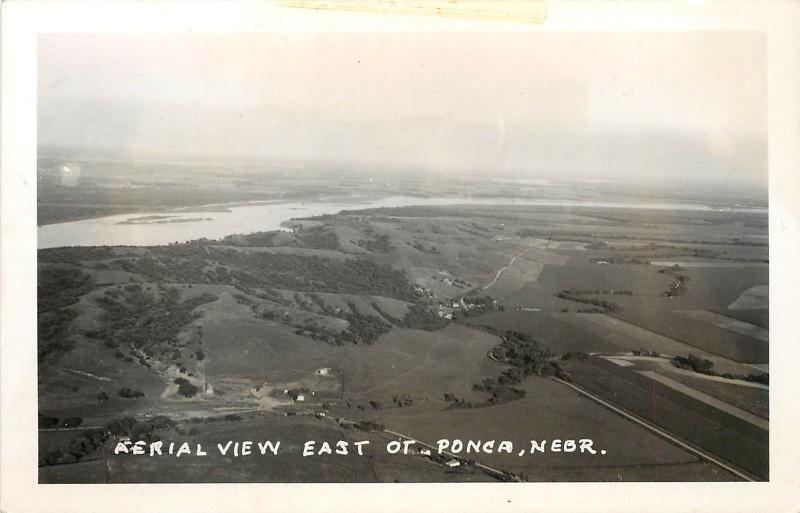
(763, 367)
(728, 323)
(711, 401)
(664, 345)
(709, 264)
(664, 363)
(754, 298)
(82, 373)
(620, 362)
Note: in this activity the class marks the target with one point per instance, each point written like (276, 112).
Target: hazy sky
(681, 105)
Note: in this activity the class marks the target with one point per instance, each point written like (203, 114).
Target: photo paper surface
(436, 250)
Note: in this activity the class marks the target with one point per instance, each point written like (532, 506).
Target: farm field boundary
(726, 436)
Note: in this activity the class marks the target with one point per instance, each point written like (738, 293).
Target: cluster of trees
(129, 393)
(401, 401)
(53, 335)
(167, 267)
(526, 357)
(418, 317)
(423, 318)
(264, 270)
(498, 394)
(575, 355)
(606, 306)
(762, 378)
(677, 287)
(244, 300)
(316, 299)
(455, 402)
(209, 420)
(85, 444)
(57, 289)
(368, 426)
(433, 250)
(185, 387)
(705, 366)
(599, 292)
(48, 422)
(523, 352)
(376, 242)
(138, 319)
(91, 441)
(259, 239)
(318, 237)
(385, 214)
(694, 363)
(362, 328)
(265, 293)
(315, 237)
(74, 254)
(626, 260)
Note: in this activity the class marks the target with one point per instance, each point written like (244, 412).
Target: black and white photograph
(402, 256)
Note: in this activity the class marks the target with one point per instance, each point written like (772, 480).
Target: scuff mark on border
(519, 11)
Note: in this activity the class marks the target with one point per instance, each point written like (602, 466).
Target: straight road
(660, 432)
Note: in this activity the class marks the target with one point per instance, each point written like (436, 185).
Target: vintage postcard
(523, 247)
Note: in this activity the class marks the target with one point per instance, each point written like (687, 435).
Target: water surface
(217, 221)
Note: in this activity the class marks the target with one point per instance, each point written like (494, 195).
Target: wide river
(159, 228)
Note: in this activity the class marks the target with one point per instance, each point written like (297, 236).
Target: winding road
(500, 271)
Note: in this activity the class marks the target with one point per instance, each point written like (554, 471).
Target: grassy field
(550, 410)
(552, 330)
(403, 361)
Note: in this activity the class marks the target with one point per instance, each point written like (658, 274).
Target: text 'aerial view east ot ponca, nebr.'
(230, 293)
